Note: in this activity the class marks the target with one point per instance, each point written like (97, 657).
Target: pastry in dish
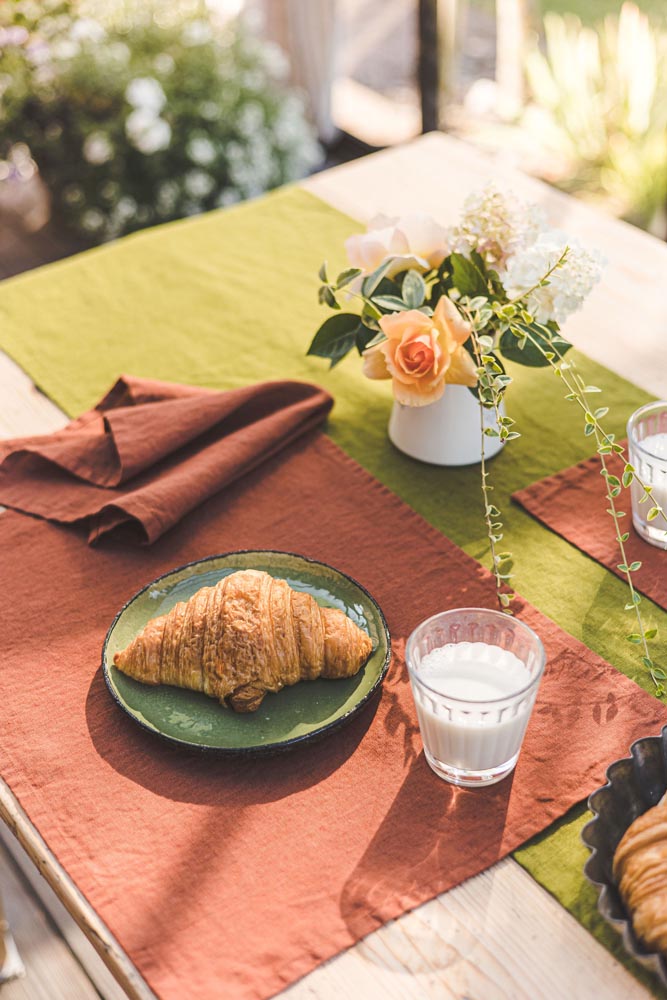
(640, 871)
(247, 635)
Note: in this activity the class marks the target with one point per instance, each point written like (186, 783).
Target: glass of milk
(474, 676)
(647, 447)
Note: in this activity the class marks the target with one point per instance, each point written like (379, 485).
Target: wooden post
(428, 69)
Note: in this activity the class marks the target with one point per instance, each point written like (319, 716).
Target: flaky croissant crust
(640, 871)
(249, 634)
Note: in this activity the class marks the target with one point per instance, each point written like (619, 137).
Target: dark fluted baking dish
(634, 784)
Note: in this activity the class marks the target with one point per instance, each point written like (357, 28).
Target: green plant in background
(600, 109)
(145, 112)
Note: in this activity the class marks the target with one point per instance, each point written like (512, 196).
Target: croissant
(640, 870)
(247, 635)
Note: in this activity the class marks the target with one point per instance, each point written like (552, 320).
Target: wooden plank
(52, 972)
(500, 934)
(78, 943)
(77, 906)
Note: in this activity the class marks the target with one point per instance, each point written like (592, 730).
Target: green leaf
(468, 277)
(601, 412)
(373, 280)
(659, 673)
(414, 289)
(625, 536)
(653, 513)
(378, 338)
(390, 303)
(634, 638)
(651, 633)
(530, 355)
(346, 276)
(591, 388)
(335, 337)
(322, 273)
(634, 566)
(367, 337)
(327, 297)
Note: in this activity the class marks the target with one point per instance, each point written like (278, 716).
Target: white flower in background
(145, 93)
(201, 150)
(497, 225)
(85, 29)
(275, 61)
(167, 196)
(209, 110)
(118, 52)
(198, 184)
(97, 148)
(147, 133)
(229, 196)
(64, 49)
(164, 63)
(92, 220)
(38, 51)
(251, 118)
(568, 285)
(416, 241)
(196, 32)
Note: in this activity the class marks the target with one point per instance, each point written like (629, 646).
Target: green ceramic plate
(296, 714)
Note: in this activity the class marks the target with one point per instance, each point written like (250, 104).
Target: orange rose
(422, 353)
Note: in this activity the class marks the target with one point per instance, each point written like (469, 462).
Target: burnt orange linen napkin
(151, 451)
(232, 878)
(573, 504)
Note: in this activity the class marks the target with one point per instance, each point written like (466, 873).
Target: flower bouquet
(445, 307)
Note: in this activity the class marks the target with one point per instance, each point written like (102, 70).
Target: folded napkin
(152, 451)
(573, 503)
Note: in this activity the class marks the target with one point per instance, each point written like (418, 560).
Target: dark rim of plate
(268, 749)
(594, 838)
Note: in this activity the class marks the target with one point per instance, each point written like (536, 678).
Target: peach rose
(416, 241)
(422, 353)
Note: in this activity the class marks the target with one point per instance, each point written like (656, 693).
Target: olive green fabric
(231, 298)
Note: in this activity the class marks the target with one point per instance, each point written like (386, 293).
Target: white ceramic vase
(446, 432)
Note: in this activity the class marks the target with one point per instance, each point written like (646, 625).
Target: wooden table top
(498, 935)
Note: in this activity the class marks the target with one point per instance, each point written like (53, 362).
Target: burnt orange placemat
(232, 878)
(573, 504)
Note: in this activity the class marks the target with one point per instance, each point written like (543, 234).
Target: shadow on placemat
(188, 775)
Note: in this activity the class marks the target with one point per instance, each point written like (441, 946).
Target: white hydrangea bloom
(497, 225)
(97, 148)
(147, 133)
(201, 150)
(145, 93)
(568, 285)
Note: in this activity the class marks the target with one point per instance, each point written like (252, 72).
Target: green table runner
(231, 298)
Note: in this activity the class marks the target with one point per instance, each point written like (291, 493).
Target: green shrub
(148, 117)
(600, 109)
